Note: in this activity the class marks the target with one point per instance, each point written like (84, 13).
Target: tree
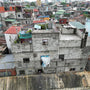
(28, 5)
(50, 3)
(33, 4)
(63, 3)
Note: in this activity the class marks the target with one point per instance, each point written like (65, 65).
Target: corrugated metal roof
(10, 20)
(43, 16)
(39, 21)
(77, 25)
(35, 10)
(7, 62)
(60, 12)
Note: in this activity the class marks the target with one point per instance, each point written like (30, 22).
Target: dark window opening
(26, 60)
(44, 42)
(35, 55)
(72, 69)
(61, 57)
(41, 62)
(40, 71)
(18, 15)
(26, 22)
(67, 64)
(22, 72)
(13, 8)
(81, 68)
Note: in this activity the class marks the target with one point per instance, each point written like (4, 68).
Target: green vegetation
(86, 15)
(28, 5)
(63, 3)
(50, 3)
(33, 4)
(29, 31)
(44, 26)
(17, 41)
(51, 16)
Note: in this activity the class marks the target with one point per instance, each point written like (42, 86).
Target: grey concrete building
(51, 51)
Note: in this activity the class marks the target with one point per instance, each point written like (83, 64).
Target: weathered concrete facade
(63, 48)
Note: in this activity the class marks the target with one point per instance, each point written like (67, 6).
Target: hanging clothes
(45, 60)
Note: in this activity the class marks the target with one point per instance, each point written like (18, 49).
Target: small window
(34, 55)
(13, 8)
(81, 68)
(9, 74)
(18, 15)
(61, 57)
(10, 38)
(44, 42)
(40, 71)
(26, 60)
(22, 72)
(72, 69)
(26, 22)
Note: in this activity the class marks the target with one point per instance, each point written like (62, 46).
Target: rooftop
(45, 31)
(7, 62)
(69, 37)
(10, 20)
(35, 10)
(13, 30)
(39, 21)
(77, 25)
(43, 16)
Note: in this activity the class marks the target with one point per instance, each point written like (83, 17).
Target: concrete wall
(67, 31)
(12, 13)
(71, 53)
(70, 48)
(52, 42)
(28, 71)
(9, 39)
(80, 33)
(19, 15)
(18, 47)
(88, 41)
(70, 43)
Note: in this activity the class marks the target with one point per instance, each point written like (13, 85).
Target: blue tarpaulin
(43, 16)
(46, 60)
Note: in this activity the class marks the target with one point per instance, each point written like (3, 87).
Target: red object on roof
(6, 11)
(13, 30)
(63, 21)
(39, 21)
(35, 10)
(81, 15)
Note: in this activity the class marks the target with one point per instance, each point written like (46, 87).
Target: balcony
(23, 43)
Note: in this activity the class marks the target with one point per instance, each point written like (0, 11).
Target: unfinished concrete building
(50, 51)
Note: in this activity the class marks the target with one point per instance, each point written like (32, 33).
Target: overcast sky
(51, 0)
(44, 0)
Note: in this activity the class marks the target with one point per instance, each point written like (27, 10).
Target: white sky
(43, 0)
(52, 0)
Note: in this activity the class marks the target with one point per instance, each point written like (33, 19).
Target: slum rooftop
(7, 62)
(70, 37)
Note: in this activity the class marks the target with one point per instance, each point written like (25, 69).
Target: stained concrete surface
(62, 81)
